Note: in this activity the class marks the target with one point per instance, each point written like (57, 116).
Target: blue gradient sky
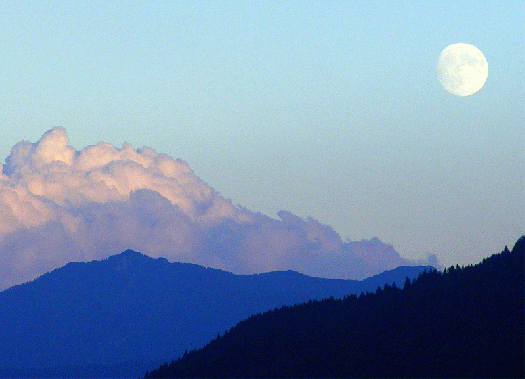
(327, 109)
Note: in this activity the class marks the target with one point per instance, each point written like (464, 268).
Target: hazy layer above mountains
(59, 205)
(128, 313)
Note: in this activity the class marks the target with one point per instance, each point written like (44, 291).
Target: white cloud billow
(59, 205)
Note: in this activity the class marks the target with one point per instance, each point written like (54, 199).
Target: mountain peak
(129, 255)
(130, 258)
(132, 254)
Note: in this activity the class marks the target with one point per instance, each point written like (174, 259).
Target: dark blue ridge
(464, 322)
(123, 315)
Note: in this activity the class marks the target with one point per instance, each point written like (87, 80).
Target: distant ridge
(464, 322)
(128, 313)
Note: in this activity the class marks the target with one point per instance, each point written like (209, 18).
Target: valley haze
(59, 204)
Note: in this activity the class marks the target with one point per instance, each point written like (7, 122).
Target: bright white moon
(462, 69)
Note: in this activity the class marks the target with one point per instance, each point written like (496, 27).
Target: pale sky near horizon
(326, 109)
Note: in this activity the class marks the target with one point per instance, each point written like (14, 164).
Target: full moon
(462, 69)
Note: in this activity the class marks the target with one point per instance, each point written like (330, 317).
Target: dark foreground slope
(129, 313)
(466, 322)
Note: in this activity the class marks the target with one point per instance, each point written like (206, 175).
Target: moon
(462, 69)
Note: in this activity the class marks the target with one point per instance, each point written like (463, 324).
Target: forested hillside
(463, 322)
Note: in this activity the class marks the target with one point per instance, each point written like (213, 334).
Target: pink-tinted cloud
(58, 205)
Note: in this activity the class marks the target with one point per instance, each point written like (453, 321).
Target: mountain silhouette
(128, 313)
(464, 322)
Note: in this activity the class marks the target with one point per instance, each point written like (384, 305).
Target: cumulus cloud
(59, 205)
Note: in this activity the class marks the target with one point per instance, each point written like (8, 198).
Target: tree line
(462, 322)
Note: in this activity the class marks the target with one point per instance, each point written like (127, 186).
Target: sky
(329, 110)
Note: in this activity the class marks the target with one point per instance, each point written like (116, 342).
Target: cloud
(59, 205)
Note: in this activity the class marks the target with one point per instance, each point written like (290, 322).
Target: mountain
(128, 313)
(464, 322)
